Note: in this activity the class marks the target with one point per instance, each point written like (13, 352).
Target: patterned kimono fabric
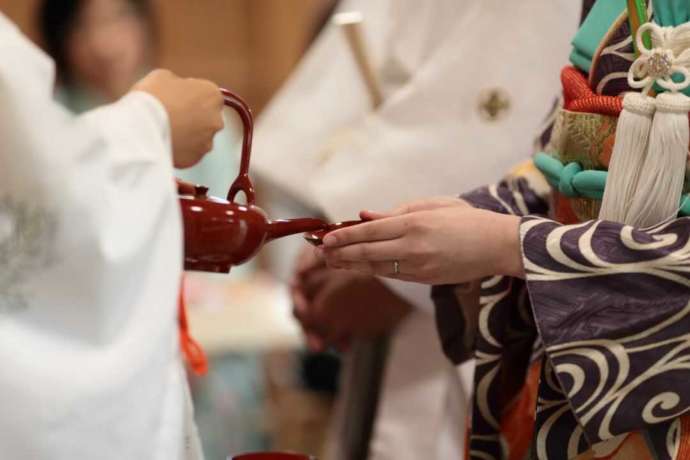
(589, 357)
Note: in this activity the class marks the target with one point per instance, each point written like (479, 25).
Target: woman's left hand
(446, 245)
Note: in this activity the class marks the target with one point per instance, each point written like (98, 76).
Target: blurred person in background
(466, 86)
(91, 251)
(101, 47)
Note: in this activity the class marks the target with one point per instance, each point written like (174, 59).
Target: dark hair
(57, 18)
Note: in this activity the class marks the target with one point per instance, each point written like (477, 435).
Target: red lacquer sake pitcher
(220, 233)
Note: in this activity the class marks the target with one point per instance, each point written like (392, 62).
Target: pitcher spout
(281, 228)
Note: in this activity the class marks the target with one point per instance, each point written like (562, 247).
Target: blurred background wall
(249, 46)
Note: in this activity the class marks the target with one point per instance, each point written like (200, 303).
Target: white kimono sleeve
(90, 257)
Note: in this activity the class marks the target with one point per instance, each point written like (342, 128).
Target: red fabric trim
(684, 448)
(192, 351)
(517, 423)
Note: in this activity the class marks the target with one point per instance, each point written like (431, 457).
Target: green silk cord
(637, 16)
(574, 182)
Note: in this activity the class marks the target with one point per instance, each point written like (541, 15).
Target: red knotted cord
(579, 97)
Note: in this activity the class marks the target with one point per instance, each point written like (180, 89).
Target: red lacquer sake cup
(272, 456)
(316, 237)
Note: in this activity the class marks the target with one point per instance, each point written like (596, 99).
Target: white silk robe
(437, 62)
(90, 264)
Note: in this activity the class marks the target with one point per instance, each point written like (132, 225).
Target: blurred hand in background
(335, 306)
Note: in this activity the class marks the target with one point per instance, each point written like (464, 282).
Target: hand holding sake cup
(433, 241)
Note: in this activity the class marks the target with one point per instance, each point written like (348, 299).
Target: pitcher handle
(242, 183)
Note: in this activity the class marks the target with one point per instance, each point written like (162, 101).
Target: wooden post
(351, 24)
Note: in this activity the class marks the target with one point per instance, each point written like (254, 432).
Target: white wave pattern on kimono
(90, 262)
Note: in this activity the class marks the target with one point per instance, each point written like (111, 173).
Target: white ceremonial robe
(319, 141)
(90, 265)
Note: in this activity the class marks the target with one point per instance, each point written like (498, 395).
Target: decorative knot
(659, 64)
(666, 63)
(565, 184)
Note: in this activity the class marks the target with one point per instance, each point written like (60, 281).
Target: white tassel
(628, 157)
(660, 181)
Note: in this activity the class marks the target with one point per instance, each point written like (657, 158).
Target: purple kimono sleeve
(456, 326)
(612, 305)
(511, 196)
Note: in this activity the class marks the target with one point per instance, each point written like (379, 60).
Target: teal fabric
(593, 30)
(605, 12)
(685, 206)
(671, 12)
(573, 182)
